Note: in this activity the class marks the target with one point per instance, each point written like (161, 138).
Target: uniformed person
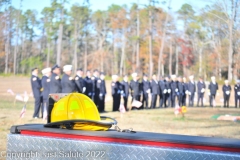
(155, 90)
(80, 83)
(226, 93)
(116, 92)
(213, 87)
(135, 88)
(181, 91)
(55, 81)
(191, 91)
(46, 88)
(174, 90)
(36, 89)
(145, 90)
(185, 92)
(237, 94)
(101, 85)
(95, 79)
(200, 90)
(68, 84)
(125, 87)
(163, 92)
(168, 88)
(89, 84)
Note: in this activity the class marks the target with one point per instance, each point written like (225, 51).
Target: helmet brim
(84, 124)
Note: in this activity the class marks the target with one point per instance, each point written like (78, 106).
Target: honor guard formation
(165, 92)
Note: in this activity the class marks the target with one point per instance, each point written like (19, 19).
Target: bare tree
(170, 57)
(230, 9)
(138, 38)
(160, 64)
(60, 34)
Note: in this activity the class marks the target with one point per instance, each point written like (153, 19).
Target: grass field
(197, 121)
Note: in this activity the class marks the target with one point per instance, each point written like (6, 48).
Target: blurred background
(147, 36)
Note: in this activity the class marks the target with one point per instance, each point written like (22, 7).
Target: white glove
(227, 92)
(189, 93)
(84, 89)
(176, 90)
(148, 91)
(186, 92)
(100, 95)
(164, 91)
(202, 90)
(209, 93)
(238, 93)
(169, 90)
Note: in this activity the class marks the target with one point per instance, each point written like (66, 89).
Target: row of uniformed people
(169, 89)
(92, 86)
(125, 89)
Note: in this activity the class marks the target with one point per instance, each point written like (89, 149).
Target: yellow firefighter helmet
(77, 111)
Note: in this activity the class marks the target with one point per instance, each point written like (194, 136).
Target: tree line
(122, 39)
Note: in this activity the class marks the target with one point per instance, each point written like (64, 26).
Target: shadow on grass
(180, 119)
(211, 127)
(3, 117)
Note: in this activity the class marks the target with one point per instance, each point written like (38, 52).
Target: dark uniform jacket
(226, 88)
(168, 86)
(95, 88)
(55, 84)
(174, 87)
(45, 86)
(191, 87)
(155, 89)
(135, 87)
(80, 83)
(237, 89)
(68, 86)
(125, 87)
(185, 86)
(36, 86)
(145, 86)
(116, 88)
(101, 85)
(200, 86)
(181, 88)
(89, 86)
(162, 87)
(213, 88)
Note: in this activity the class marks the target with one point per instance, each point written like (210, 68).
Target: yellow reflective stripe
(74, 105)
